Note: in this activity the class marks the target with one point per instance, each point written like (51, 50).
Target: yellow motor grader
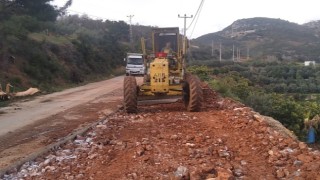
(165, 73)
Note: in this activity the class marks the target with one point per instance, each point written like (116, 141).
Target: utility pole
(220, 52)
(233, 52)
(185, 17)
(233, 42)
(238, 58)
(237, 54)
(212, 51)
(131, 33)
(248, 53)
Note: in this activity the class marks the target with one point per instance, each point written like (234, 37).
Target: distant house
(309, 63)
(250, 31)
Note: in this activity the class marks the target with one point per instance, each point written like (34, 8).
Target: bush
(263, 86)
(201, 71)
(15, 81)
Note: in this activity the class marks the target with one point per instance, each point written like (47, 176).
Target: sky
(215, 14)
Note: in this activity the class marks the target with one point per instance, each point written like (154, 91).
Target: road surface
(23, 113)
(31, 125)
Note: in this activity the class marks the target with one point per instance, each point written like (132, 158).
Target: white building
(309, 63)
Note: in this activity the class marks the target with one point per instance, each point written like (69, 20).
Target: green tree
(40, 9)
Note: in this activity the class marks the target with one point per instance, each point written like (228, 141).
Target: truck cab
(135, 64)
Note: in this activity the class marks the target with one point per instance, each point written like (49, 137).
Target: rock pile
(225, 141)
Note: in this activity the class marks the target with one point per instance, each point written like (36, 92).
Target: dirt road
(224, 141)
(23, 113)
(28, 126)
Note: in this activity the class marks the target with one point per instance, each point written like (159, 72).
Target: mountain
(264, 38)
(315, 25)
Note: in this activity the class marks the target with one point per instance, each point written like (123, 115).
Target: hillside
(315, 25)
(50, 52)
(265, 38)
(72, 50)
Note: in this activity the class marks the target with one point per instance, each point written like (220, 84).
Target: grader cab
(166, 74)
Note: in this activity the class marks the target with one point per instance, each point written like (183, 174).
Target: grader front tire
(192, 93)
(130, 94)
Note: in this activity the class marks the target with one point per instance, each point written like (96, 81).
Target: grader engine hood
(159, 73)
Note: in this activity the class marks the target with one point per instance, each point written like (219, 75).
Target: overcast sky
(215, 14)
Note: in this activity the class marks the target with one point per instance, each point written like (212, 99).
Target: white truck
(135, 64)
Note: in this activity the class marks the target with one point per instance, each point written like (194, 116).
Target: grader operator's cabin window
(161, 39)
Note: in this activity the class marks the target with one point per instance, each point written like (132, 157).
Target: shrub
(201, 71)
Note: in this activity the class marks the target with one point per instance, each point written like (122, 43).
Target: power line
(198, 10)
(197, 18)
(194, 27)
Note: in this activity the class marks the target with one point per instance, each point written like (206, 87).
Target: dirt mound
(225, 141)
(276, 125)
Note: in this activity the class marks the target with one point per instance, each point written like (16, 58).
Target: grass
(54, 39)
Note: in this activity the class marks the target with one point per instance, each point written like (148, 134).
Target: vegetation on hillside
(288, 92)
(41, 47)
(265, 38)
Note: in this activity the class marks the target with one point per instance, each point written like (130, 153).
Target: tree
(40, 9)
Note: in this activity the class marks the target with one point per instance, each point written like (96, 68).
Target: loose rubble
(225, 141)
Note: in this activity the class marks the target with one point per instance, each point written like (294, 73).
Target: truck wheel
(192, 93)
(130, 94)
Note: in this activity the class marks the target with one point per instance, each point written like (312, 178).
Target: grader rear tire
(192, 93)
(130, 94)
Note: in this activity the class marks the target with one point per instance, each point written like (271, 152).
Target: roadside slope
(225, 140)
